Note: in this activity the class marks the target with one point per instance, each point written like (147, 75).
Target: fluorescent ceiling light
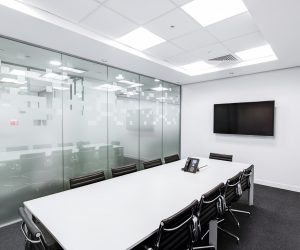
(255, 53)
(131, 84)
(141, 39)
(160, 88)
(207, 12)
(30, 74)
(257, 61)
(55, 76)
(119, 77)
(109, 87)
(79, 71)
(55, 63)
(197, 66)
(11, 80)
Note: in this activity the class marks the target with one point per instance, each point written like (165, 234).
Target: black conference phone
(191, 165)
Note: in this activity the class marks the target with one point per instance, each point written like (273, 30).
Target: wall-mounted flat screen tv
(247, 118)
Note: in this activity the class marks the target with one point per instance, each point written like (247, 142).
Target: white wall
(276, 159)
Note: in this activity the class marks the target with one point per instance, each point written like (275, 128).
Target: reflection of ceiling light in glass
(207, 12)
(119, 77)
(131, 84)
(79, 71)
(17, 72)
(109, 87)
(156, 80)
(140, 39)
(11, 80)
(131, 93)
(51, 75)
(160, 88)
(61, 88)
(255, 53)
(55, 63)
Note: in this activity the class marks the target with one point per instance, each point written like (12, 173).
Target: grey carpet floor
(274, 224)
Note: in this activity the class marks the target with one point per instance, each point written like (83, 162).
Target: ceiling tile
(104, 21)
(178, 18)
(205, 53)
(195, 40)
(245, 42)
(181, 2)
(233, 27)
(141, 11)
(68, 9)
(164, 50)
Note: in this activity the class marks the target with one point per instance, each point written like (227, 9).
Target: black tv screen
(247, 118)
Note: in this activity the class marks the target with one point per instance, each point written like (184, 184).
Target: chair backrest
(31, 232)
(172, 158)
(87, 179)
(233, 189)
(221, 157)
(211, 206)
(176, 232)
(119, 171)
(245, 179)
(41, 146)
(18, 148)
(153, 163)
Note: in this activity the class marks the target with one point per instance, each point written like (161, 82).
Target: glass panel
(123, 117)
(171, 119)
(84, 118)
(62, 117)
(30, 125)
(150, 119)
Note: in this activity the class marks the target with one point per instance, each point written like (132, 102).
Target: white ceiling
(88, 28)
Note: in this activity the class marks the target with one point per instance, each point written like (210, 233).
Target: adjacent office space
(149, 124)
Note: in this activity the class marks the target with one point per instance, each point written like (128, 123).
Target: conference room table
(120, 213)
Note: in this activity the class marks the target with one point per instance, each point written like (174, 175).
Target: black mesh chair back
(221, 157)
(233, 189)
(245, 179)
(172, 158)
(87, 179)
(119, 171)
(211, 207)
(36, 235)
(153, 163)
(176, 232)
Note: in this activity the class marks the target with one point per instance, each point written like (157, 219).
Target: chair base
(230, 234)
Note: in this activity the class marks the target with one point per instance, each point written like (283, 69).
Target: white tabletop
(118, 213)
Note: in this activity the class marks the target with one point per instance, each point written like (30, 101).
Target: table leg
(251, 190)
(213, 233)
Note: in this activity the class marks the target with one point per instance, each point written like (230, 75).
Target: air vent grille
(225, 58)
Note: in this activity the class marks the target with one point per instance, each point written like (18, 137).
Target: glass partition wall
(62, 116)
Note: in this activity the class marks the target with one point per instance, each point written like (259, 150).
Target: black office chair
(87, 179)
(36, 235)
(232, 193)
(245, 184)
(153, 163)
(211, 207)
(172, 158)
(221, 157)
(176, 232)
(119, 171)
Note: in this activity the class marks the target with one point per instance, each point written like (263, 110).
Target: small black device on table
(191, 165)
